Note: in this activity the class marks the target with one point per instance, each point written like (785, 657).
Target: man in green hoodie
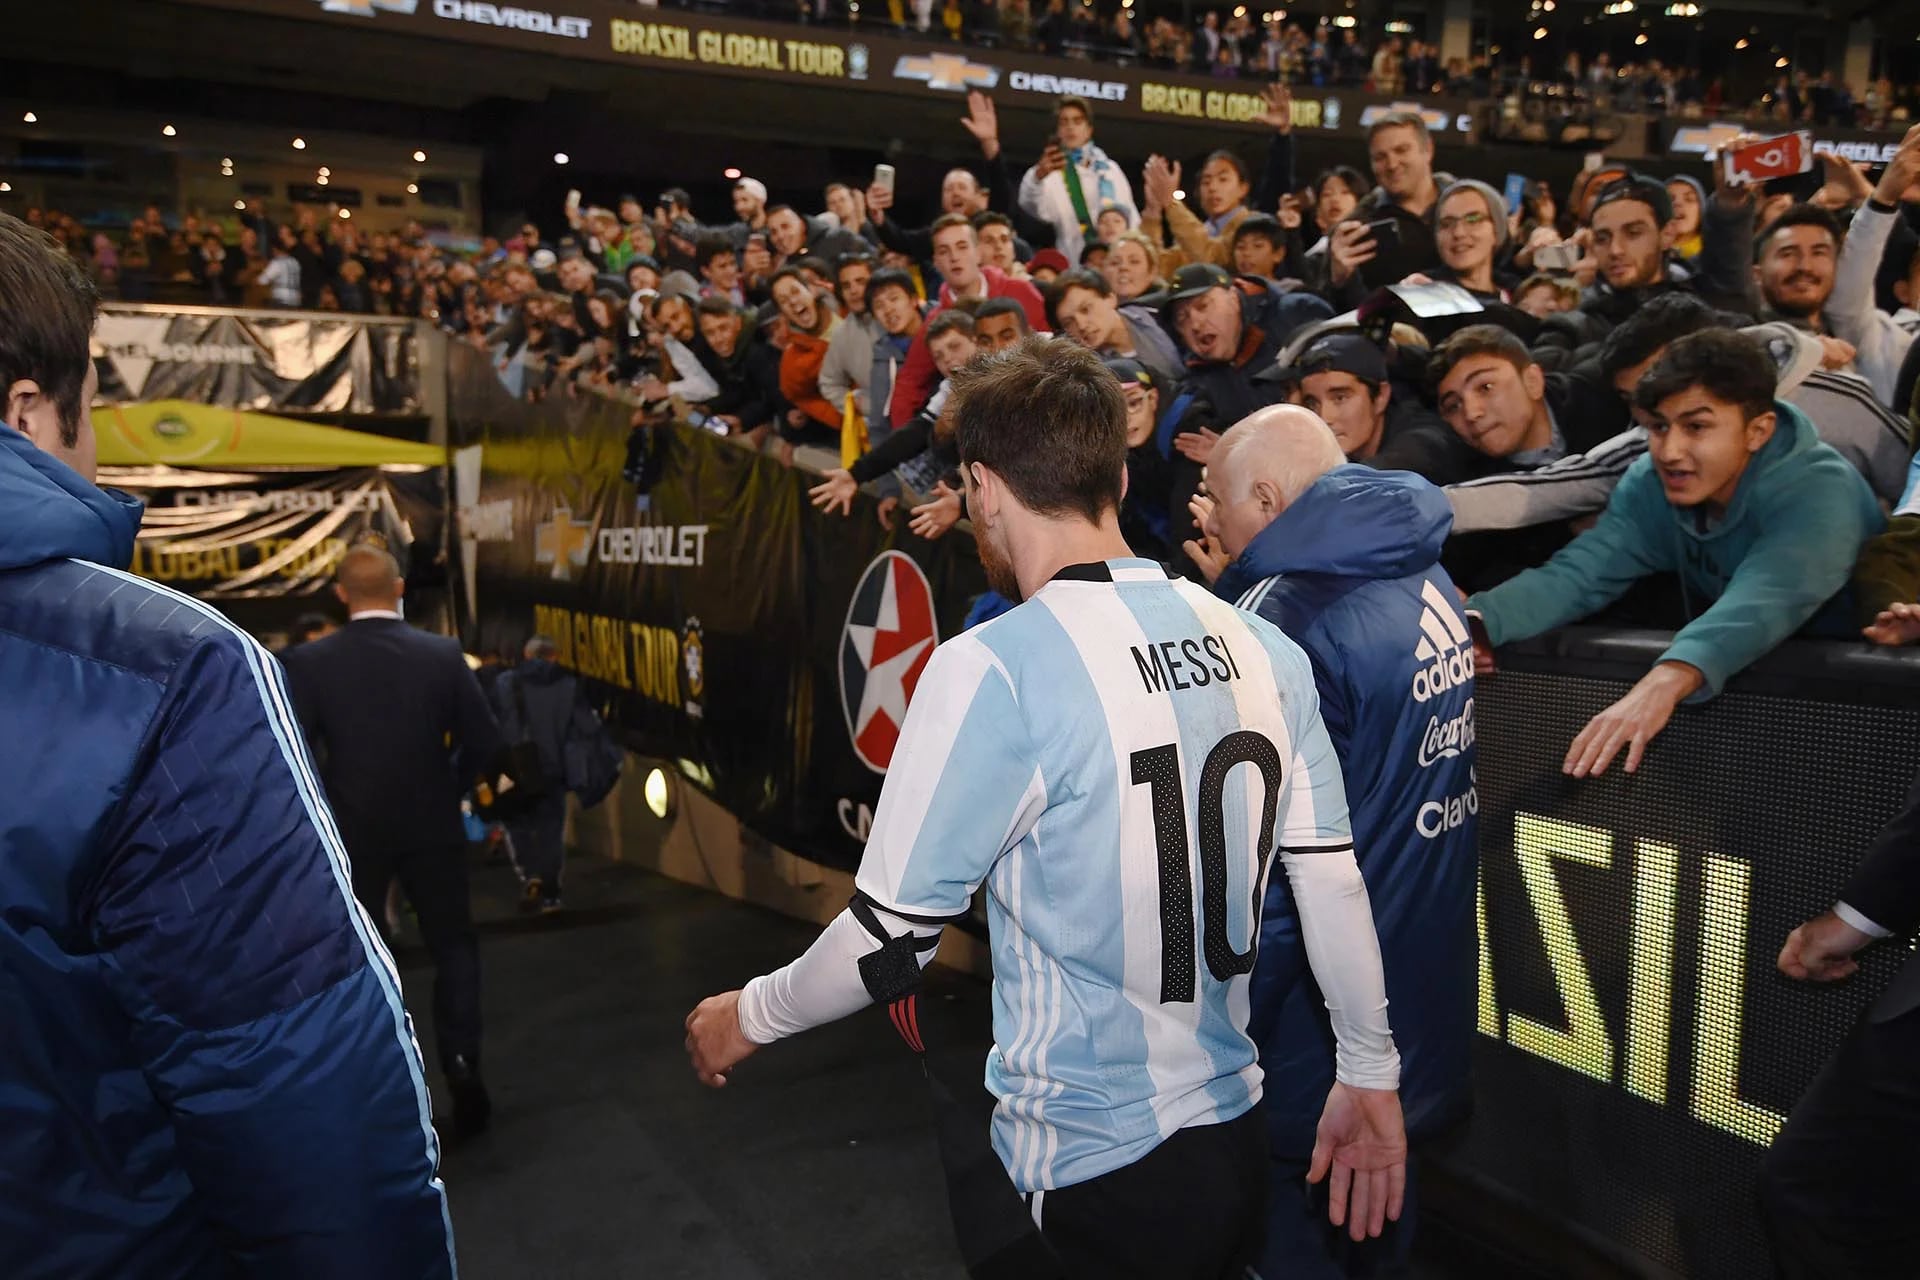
(1738, 496)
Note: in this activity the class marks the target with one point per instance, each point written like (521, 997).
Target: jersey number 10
(1158, 768)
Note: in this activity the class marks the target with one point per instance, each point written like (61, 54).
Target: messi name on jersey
(1184, 664)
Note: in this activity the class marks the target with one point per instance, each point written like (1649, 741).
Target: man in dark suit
(1840, 1182)
(400, 729)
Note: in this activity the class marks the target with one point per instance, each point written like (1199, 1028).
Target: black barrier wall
(1637, 1049)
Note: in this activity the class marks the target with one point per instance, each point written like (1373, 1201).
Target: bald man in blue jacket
(1346, 560)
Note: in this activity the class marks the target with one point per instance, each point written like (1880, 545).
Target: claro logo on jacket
(1444, 650)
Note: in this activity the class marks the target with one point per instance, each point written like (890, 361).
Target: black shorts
(1193, 1208)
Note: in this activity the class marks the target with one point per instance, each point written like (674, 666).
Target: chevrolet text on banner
(1637, 1052)
(683, 41)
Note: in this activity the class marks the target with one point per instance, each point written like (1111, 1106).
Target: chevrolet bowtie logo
(563, 542)
(946, 71)
(366, 8)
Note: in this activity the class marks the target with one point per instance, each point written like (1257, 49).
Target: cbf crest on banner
(256, 360)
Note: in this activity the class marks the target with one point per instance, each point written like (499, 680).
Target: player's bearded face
(994, 560)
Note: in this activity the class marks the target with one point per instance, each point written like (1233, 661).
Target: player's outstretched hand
(714, 1039)
(1362, 1142)
(1895, 625)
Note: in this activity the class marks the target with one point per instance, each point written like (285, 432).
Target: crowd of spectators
(1500, 352)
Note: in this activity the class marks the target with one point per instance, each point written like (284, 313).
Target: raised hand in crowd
(983, 122)
(1897, 624)
(1197, 446)
(1350, 247)
(835, 492)
(1052, 159)
(1279, 112)
(1845, 187)
(1159, 181)
(1897, 181)
(1205, 551)
(879, 200)
(941, 512)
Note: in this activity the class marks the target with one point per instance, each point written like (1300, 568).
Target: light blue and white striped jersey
(1118, 759)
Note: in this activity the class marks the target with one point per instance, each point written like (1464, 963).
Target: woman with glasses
(1470, 228)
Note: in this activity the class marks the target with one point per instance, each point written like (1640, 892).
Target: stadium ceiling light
(419, 157)
(1539, 33)
(346, 213)
(1548, 6)
(413, 188)
(1240, 11)
(167, 130)
(226, 162)
(239, 204)
(730, 173)
(659, 799)
(560, 157)
(299, 144)
(6, 186)
(1641, 38)
(30, 118)
(1179, 195)
(1741, 43)
(325, 172)
(1780, 65)
(322, 179)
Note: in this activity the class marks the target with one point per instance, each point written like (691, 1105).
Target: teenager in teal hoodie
(1738, 496)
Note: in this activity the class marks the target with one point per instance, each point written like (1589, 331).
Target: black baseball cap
(1127, 369)
(1197, 278)
(1651, 192)
(1333, 353)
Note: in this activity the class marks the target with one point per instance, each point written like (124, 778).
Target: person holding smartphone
(1388, 236)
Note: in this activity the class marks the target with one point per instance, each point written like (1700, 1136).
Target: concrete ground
(606, 1159)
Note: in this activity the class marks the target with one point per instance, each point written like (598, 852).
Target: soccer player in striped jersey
(1118, 759)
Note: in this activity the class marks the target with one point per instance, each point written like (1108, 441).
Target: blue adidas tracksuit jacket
(1351, 573)
(205, 1066)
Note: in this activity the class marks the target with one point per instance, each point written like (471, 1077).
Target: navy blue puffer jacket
(1350, 571)
(205, 1066)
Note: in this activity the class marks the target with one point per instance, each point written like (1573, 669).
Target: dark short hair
(1476, 340)
(1075, 101)
(1725, 363)
(890, 278)
(1264, 225)
(990, 218)
(789, 272)
(1003, 307)
(1348, 176)
(1081, 278)
(948, 220)
(715, 305)
(783, 208)
(47, 308)
(1049, 419)
(1400, 120)
(1090, 248)
(952, 320)
(710, 247)
(1229, 157)
(1799, 215)
(854, 259)
(1652, 325)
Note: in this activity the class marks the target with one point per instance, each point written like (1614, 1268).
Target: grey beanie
(1496, 205)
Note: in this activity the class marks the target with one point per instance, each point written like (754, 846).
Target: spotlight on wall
(658, 796)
